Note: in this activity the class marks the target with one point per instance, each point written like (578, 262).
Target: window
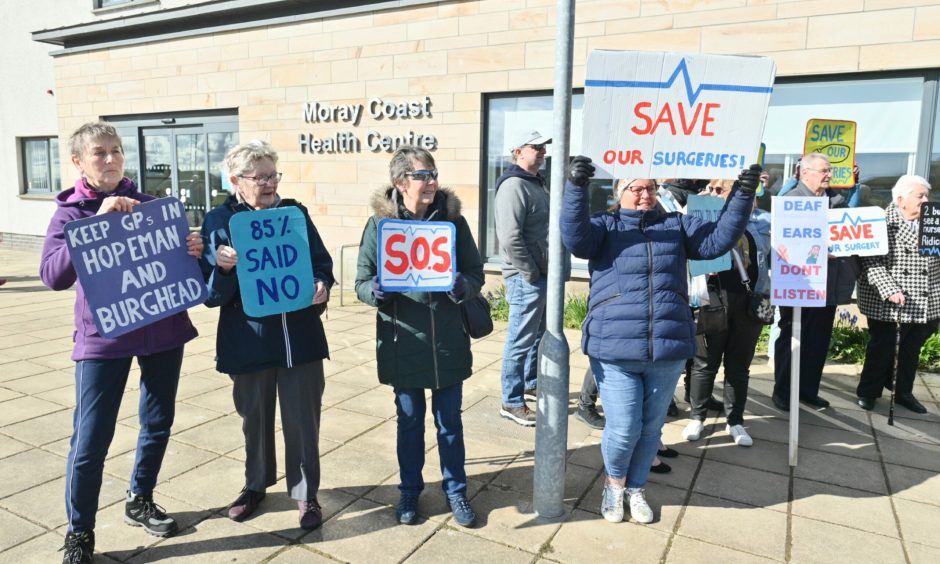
(110, 3)
(884, 150)
(180, 155)
(41, 165)
(935, 155)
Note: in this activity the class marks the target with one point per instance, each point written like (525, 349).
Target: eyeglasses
(423, 175)
(637, 190)
(540, 147)
(268, 179)
(717, 190)
(822, 171)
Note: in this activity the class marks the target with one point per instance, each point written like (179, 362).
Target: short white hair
(243, 158)
(906, 184)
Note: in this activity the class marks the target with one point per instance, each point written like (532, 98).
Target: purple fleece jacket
(57, 272)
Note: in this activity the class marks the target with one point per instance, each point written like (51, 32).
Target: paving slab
(818, 541)
(447, 545)
(587, 538)
(720, 521)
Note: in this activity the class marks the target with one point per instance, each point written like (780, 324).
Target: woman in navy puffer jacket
(639, 331)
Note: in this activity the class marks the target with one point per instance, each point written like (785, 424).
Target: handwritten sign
(673, 115)
(798, 261)
(928, 236)
(836, 140)
(858, 231)
(707, 208)
(275, 273)
(133, 266)
(416, 256)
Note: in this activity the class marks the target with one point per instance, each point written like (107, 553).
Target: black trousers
(735, 347)
(879, 358)
(816, 330)
(588, 397)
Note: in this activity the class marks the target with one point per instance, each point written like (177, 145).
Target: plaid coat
(903, 269)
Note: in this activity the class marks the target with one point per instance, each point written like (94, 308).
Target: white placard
(416, 256)
(675, 115)
(858, 231)
(799, 239)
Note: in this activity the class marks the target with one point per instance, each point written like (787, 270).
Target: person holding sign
(274, 357)
(815, 172)
(639, 330)
(422, 343)
(733, 345)
(898, 292)
(102, 365)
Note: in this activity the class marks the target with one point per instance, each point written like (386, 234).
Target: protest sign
(674, 115)
(707, 208)
(760, 160)
(416, 256)
(928, 236)
(858, 231)
(836, 140)
(275, 272)
(799, 240)
(134, 267)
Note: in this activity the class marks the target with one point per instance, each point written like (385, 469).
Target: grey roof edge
(202, 19)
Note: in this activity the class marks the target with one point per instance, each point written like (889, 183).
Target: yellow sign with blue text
(836, 140)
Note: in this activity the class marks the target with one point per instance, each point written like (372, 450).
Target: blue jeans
(526, 326)
(636, 396)
(99, 388)
(445, 405)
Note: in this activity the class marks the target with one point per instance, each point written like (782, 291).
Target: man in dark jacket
(521, 210)
(816, 322)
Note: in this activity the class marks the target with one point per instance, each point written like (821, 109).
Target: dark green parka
(421, 341)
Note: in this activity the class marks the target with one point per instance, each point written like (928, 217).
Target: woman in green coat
(421, 339)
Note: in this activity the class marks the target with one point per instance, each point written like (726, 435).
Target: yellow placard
(835, 139)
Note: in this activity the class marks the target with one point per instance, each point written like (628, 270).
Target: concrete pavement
(863, 491)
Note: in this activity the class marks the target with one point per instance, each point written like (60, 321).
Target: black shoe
(866, 403)
(591, 417)
(910, 402)
(311, 516)
(244, 505)
(661, 468)
(79, 548)
(667, 453)
(780, 403)
(673, 410)
(141, 511)
(817, 401)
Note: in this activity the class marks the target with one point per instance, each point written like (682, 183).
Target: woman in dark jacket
(421, 342)
(638, 331)
(271, 357)
(898, 292)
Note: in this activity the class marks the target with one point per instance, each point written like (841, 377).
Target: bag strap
(742, 271)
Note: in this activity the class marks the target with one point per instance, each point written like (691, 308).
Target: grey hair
(812, 156)
(89, 131)
(403, 162)
(242, 158)
(906, 184)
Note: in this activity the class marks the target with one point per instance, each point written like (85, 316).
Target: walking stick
(894, 375)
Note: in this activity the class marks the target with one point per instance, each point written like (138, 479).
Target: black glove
(460, 285)
(377, 291)
(580, 171)
(749, 179)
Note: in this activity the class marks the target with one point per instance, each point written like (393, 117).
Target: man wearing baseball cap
(521, 211)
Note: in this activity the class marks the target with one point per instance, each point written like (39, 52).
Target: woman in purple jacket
(102, 364)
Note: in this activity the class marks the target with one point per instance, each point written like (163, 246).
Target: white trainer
(639, 509)
(693, 431)
(739, 434)
(612, 503)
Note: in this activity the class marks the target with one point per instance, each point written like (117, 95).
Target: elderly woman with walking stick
(898, 294)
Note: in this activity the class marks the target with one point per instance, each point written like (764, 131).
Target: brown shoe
(311, 516)
(245, 505)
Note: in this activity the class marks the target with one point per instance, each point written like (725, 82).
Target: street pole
(551, 429)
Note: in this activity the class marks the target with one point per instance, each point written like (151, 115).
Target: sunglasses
(540, 147)
(423, 175)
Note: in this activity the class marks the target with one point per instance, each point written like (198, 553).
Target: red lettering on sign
(839, 232)
(687, 122)
(623, 157)
(420, 263)
(391, 252)
(442, 254)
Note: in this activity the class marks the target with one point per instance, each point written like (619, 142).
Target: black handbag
(476, 316)
(713, 318)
